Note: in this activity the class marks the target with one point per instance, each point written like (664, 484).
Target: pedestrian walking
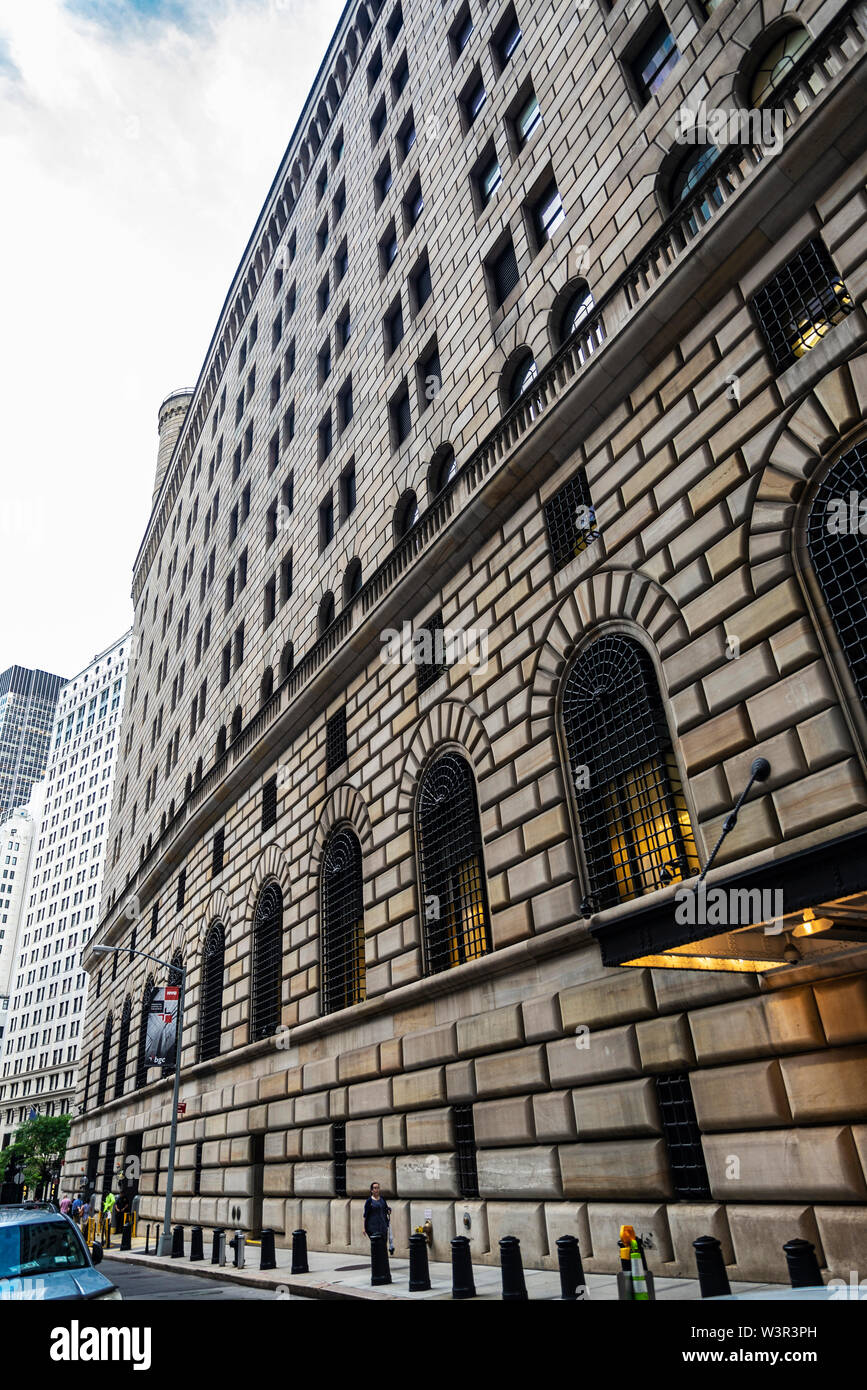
(65, 1204)
(75, 1209)
(377, 1216)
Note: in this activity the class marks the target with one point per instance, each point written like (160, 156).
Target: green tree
(37, 1149)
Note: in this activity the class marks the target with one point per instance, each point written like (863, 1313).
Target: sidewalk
(347, 1275)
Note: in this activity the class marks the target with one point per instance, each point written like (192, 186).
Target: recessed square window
(325, 437)
(326, 522)
(378, 122)
(507, 37)
(290, 302)
(339, 204)
(413, 205)
(374, 68)
(239, 408)
(399, 416)
(341, 262)
(394, 25)
(420, 284)
(502, 272)
(274, 451)
(382, 182)
(527, 118)
(473, 99)
(322, 183)
(406, 136)
(400, 77)
(546, 211)
(347, 491)
(653, 60)
(344, 329)
(392, 326)
(289, 425)
(322, 237)
(429, 376)
(459, 34)
(323, 297)
(248, 440)
(324, 363)
(800, 304)
(274, 390)
(488, 177)
(388, 249)
(289, 360)
(337, 150)
(344, 405)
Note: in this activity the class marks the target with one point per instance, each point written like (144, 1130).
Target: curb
(221, 1272)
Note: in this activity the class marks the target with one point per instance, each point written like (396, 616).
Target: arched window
(221, 743)
(518, 377)
(689, 172)
(443, 467)
(634, 824)
(325, 616)
(188, 788)
(211, 1008)
(351, 580)
(141, 1066)
(287, 661)
(122, 1047)
(266, 685)
(573, 308)
(837, 552)
(196, 780)
(405, 515)
(343, 967)
(102, 1082)
(453, 890)
(267, 962)
(777, 62)
(237, 723)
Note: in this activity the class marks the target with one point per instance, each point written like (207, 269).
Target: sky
(138, 139)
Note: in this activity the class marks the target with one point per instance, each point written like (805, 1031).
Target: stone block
(687, 1222)
(360, 1064)
(665, 1044)
(460, 1082)
(649, 1220)
(316, 1221)
(554, 1116)
(503, 1122)
(371, 1097)
(617, 997)
(631, 1169)
(787, 1021)
(318, 1075)
(758, 1234)
(491, 1031)
(507, 1073)
(361, 1172)
(431, 1046)
(364, 1136)
(281, 1114)
(518, 1172)
(428, 1130)
(842, 1006)
(608, 1055)
(313, 1179)
(526, 1220)
(311, 1108)
(843, 1233)
(687, 989)
(620, 1108)
(316, 1141)
(541, 1018)
(827, 1085)
(442, 1218)
(278, 1180)
(341, 1223)
(477, 1231)
(393, 1133)
(807, 1165)
(750, 1095)
(566, 1219)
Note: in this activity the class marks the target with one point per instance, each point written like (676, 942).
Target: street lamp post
(165, 1245)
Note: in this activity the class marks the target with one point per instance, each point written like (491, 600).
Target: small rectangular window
(344, 405)
(182, 888)
(286, 578)
(374, 68)
(269, 803)
(527, 119)
(507, 36)
(323, 362)
(459, 34)
(473, 99)
(570, 520)
(547, 214)
(400, 417)
(393, 328)
(406, 136)
(653, 61)
(270, 602)
(388, 249)
(400, 77)
(465, 1145)
(413, 205)
(217, 857)
(420, 285)
(326, 522)
(394, 25)
(378, 122)
(502, 270)
(800, 304)
(431, 662)
(325, 437)
(347, 492)
(335, 741)
(430, 377)
(382, 182)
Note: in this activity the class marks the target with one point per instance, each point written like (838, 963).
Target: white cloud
(134, 160)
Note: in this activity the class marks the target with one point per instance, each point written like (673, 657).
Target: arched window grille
(443, 467)
(521, 375)
(237, 723)
(141, 1066)
(221, 742)
(267, 961)
(634, 822)
(102, 1082)
(343, 966)
(266, 687)
(351, 580)
(326, 613)
(836, 547)
(211, 1015)
(406, 515)
(122, 1047)
(454, 894)
(287, 660)
(175, 978)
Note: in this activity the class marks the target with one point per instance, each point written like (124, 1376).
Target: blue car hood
(77, 1284)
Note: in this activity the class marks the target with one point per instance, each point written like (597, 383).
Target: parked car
(43, 1256)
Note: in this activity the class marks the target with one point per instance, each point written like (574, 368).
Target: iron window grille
(211, 1015)
(682, 1136)
(338, 1145)
(454, 893)
(102, 1082)
(430, 639)
(267, 961)
(141, 1066)
(218, 850)
(800, 304)
(182, 888)
(343, 962)
(465, 1146)
(155, 918)
(269, 803)
(122, 1047)
(836, 548)
(570, 520)
(335, 741)
(634, 823)
(197, 1169)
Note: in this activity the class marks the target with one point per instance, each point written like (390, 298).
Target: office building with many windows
(510, 538)
(27, 703)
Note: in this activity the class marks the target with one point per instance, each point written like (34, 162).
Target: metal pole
(166, 1238)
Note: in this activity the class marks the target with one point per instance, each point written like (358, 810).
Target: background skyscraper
(28, 700)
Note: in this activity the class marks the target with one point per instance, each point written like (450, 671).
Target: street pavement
(138, 1282)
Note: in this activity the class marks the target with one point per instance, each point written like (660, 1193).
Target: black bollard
(197, 1251)
(514, 1288)
(239, 1245)
(178, 1243)
(710, 1265)
(267, 1255)
(463, 1283)
(218, 1247)
(804, 1272)
(572, 1286)
(299, 1253)
(126, 1237)
(148, 1239)
(419, 1270)
(379, 1268)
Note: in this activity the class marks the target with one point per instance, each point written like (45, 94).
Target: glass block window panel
(570, 520)
(343, 964)
(682, 1136)
(634, 823)
(335, 741)
(454, 893)
(837, 546)
(267, 962)
(211, 1009)
(800, 304)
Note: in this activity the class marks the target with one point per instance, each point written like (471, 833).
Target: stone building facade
(606, 388)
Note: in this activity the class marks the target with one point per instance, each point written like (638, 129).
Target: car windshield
(39, 1247)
